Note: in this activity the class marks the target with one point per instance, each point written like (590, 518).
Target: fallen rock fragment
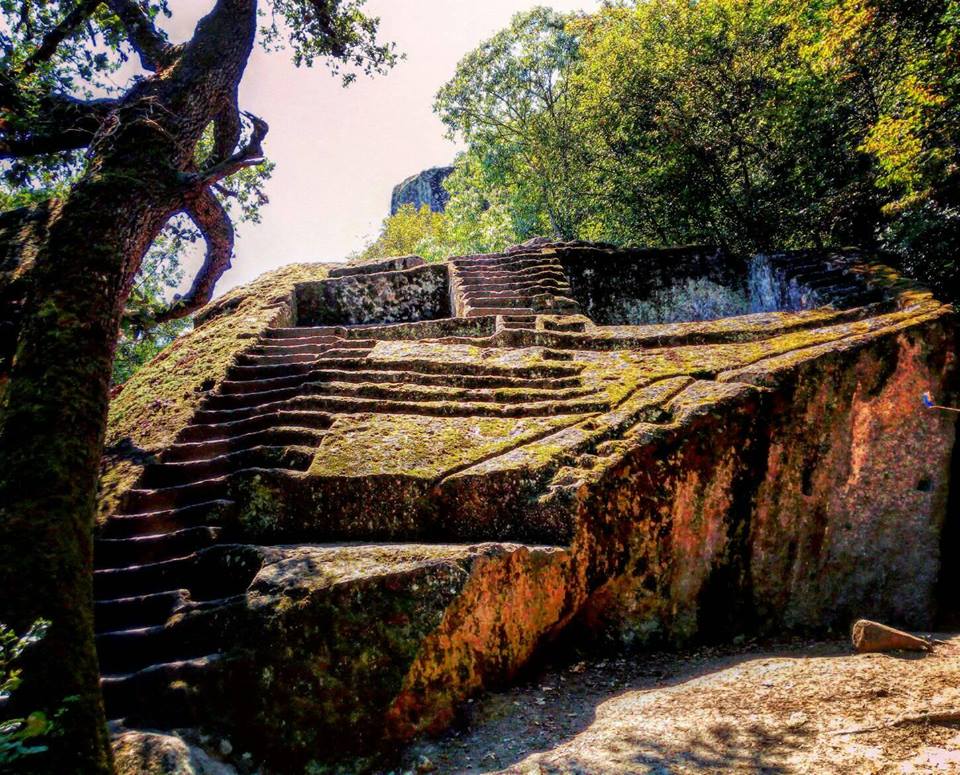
(870, 636)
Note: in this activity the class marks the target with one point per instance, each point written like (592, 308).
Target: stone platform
(351, 498)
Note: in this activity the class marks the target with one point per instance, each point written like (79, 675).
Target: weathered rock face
(408, 295)
(507, 474)
(424, 188)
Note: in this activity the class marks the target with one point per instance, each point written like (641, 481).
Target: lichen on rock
(358, 524)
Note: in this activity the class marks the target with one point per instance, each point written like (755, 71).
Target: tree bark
(53, 411)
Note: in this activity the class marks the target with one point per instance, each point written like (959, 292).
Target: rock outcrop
(323, 530)
(424, 188)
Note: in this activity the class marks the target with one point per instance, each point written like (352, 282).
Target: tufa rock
(153, 753)
(870, 636)
(424, 188)
(408, 480)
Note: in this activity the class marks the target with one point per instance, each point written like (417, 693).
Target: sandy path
(771, 711)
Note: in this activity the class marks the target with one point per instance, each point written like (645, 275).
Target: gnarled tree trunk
(54, 407)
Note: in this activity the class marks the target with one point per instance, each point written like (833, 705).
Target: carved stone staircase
(807, 281)
(160, 569)
(514, 285)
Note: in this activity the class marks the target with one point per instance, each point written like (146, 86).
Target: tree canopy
(747, 123)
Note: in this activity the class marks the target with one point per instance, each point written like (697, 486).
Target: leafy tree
(510, 101)
(20, 738)
(704, 125)
(409, 231)
(749, 123)
(897, 63)
(487, 213)
(99, 170)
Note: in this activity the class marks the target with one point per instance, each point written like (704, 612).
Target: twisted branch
(56, 36)
(150, 43)
(66, 124)
(217, 230)
(249, 155)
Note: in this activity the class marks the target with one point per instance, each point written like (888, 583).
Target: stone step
(306, 341)
(171, 474)
(308, 348)
(264, 360)
(141, 499)
(411, 377)
(265, 419)
(418, 393)
(521, 291)
(254, 398)
(145, 549)
(499, 302)
(123, 613)
(212, 573)
(561, 326)
(281, 346)
(439, 408)
(481, 311)
(515, 289)
(300, 332)
(511, 279)
(206, 450)
(169, 520)
(422, 365)
(530, 273)
(167, 684)
(511, 274)
(164, 576)
(507, 277)
(511, 262)
(300, 358)
(126, 651)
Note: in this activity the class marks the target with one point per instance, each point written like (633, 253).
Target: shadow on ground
(780, 709)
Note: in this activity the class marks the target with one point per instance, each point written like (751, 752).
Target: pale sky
(339, 152)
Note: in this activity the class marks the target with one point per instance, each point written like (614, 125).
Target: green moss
(261, 507)
(421, 446)
(160, 399)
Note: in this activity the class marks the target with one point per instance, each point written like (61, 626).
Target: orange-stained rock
(355, 527)
(870, 636)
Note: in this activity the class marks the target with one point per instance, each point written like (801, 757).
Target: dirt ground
(800, 707)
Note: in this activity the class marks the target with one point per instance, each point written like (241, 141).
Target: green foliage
(409, 232)
(897, 65)
(335, 30)
(748, 123)
(511, 100)
(19, 737)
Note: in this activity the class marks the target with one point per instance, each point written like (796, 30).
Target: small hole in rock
(925, 484)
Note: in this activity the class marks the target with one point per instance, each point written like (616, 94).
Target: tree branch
(250, 155)
(150, 44)
(66, 125)
(227, 130)
(214, 223)
(56, 36)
